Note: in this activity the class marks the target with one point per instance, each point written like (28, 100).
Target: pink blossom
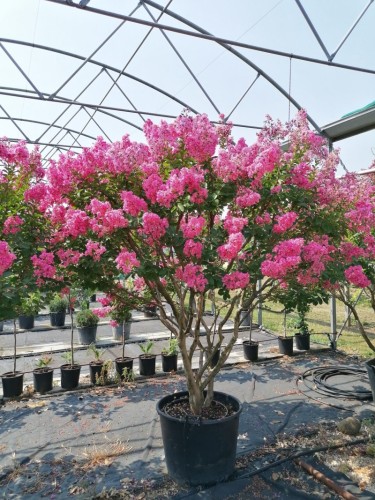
(231, 249)
(133, 205)
(193, 249)
(44, 265)
(68, 257)
(236, 280)
(102, 312)
(126, 261)
(77, 223)
(154, 226)
(284, 222)
(6, 257)
(12, 224)
(94, 250)
(193, 226)
(193, 276)
(246, 197)
(234, 224)
(356, 276)
(139, 284)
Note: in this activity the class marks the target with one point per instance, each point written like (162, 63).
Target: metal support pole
(333, 334)
(260, 319)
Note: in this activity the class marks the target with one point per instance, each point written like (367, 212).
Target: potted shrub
(285, 342)
(169, 356)
(29, 308)
(13, 381)
(87, 324)
(250, 348)
(57, 310)
(121, 323)
(43, 375)
(70, 371)
(97, 367)
(302, 336)
(147, 360)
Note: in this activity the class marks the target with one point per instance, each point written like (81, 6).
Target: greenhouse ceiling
(72, 70)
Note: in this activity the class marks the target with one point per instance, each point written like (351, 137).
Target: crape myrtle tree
(192, 216)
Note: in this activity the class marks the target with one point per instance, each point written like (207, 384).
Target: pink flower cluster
(193, 249)
(247, 197)
(287, 256)
(133, 205)
(193, 276)
(232, 248)
(154, 226)
(236, 280)
(68, 257)
(357, 277)
(12, 224)
(106, 219)
(234, 224)
(94, 250)
(6, 257)
(77, 223)
(284, 222)
(193, 226)
(126, 261)
(44, 266)
(102, 312)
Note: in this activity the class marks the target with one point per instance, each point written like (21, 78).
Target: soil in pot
(12, 384)
(117, 331)
(147, 364)
(87, 335)
(199, 450)
(250, 350)
(26, 322)
(302, 341)
(169, 362)
(370, 366)
(286, 346)
(70, 376)
(43, 380)
(57, 318)
(123, 363)
(96, 371)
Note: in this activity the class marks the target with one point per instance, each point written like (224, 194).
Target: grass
(318, 320)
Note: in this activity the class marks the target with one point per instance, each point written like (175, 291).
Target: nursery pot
(147, 364)
(93, 298)
(169, 362)
(250, 350)
(12, 384)
(302, 341)
(1, 326)
(122, 363)
(198, 451)
(96, 368)
(117, 331)
(57, 318)
(215, 358)
(70, 376)
(150, 311)
(43, 380)
(286, 345)
(26, 322)
(370, 366)
(87, 334)
(245, 318)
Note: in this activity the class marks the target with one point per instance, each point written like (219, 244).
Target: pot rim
(68, 366)
(12, 374)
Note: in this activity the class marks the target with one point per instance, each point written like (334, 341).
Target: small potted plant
(13, 381)
(57, 310)
(250, 348)
(97, 366)
(285, 342)
(147, 360)
(121, 323)
(28, 309)
(169, 356)
(302, 336)
(43, 375)
(87, 324)
(70, 371)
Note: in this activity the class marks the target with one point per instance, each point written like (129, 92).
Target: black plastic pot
(245, 318)
(1, 326)
(250, 350)
(43, 380)
(70, 376)
(150, 311)
(302, 341)
(286, 345)
(57, 318)
(147, 364)
(93, 298)
(122, 363)
(87, 335)
(169, 362)
(215, 359)
(370, 366)
(26, 322)
(12, 384)
(200, 452)
(117, 331)
(96, 368)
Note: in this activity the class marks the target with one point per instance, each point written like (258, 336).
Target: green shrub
(31, 304)
(86, 318)
(58, 304)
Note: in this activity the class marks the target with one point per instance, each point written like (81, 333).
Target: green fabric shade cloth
(360, 110)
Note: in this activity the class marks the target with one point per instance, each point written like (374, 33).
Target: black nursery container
(43, 380)
(286, 346)
(147, 364)
(169, 362)
(12, 384)
(302, 341)
(250, 350)
(121, 364)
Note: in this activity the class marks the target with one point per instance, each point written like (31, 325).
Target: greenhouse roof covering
(71, 70)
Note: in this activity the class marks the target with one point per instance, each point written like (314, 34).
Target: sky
(200, 74)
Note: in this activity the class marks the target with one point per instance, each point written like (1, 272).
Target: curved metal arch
(38, 122)
(102, 65)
